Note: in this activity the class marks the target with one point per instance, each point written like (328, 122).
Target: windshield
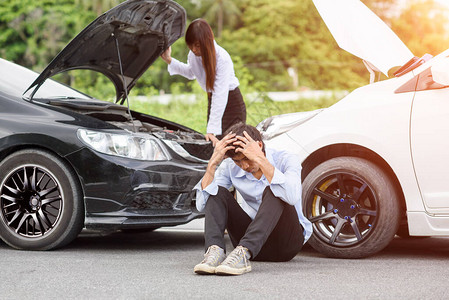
(15, 79)
(54, 90)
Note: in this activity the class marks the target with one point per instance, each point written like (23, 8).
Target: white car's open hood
(359, 31)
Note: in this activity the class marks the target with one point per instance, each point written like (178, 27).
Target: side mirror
(440, 72)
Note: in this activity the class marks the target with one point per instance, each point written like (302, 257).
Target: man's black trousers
(275, 234)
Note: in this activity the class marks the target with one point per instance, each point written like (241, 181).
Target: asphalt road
(159, 265)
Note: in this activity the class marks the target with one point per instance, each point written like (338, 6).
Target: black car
(69, 161)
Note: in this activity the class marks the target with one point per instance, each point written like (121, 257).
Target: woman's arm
(175, 67)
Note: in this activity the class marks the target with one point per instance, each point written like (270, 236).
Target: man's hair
(238, 129)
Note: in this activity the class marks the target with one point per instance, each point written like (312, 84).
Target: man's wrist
(207, 178)
(266, 167)
(210, 170)
(262, 160)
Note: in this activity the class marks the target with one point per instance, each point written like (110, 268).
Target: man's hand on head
(249, 147)
(253, 151)
(221, 147)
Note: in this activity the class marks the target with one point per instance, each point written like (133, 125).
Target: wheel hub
(35, 202)
(346, 208)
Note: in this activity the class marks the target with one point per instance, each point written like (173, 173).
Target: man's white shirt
(285, 184)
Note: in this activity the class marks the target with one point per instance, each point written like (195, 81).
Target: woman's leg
(235, 110)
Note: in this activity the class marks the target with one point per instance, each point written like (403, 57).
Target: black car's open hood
(143, 30)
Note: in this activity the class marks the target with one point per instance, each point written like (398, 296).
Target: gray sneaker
(212, 258)
(236, 263)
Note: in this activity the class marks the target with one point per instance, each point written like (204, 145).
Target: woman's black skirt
(235, 110)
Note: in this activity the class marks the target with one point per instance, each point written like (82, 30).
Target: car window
(53, 89)
(15, 79)
(90, 82)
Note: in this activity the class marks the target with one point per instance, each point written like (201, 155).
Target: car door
(430, 142)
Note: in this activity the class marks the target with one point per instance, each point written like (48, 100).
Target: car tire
(353, 207)
(40, 199)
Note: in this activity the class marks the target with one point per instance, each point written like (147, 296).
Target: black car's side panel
(34, 140)
(26, 125)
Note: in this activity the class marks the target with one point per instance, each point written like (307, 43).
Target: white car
(375, 164)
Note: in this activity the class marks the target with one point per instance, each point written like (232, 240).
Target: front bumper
(125, 193)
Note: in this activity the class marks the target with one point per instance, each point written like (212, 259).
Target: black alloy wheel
(31, 201)
(40, 201)
(353, 207)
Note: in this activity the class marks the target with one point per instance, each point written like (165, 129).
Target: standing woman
(212, 67)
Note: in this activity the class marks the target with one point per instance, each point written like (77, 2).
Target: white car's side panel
(430, 147)
(376, 121)
(285, 142)
(421, 224)
(373, 117)
(408, 130)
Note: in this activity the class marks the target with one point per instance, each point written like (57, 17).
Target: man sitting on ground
(269, 225)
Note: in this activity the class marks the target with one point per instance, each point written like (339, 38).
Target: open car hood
(359, 31)
(142, 29)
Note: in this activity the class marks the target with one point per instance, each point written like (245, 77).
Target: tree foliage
(423, 27)
(220, 11)
(33, 32)
(275, 36)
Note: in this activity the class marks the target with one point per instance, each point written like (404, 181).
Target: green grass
(193, 115)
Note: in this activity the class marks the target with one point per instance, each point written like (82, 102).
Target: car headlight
(276, 125)
(175, 146)
(124, 145)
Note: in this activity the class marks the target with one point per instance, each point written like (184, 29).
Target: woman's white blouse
(225, 81)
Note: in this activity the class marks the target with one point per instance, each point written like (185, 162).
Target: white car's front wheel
(353, 207)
